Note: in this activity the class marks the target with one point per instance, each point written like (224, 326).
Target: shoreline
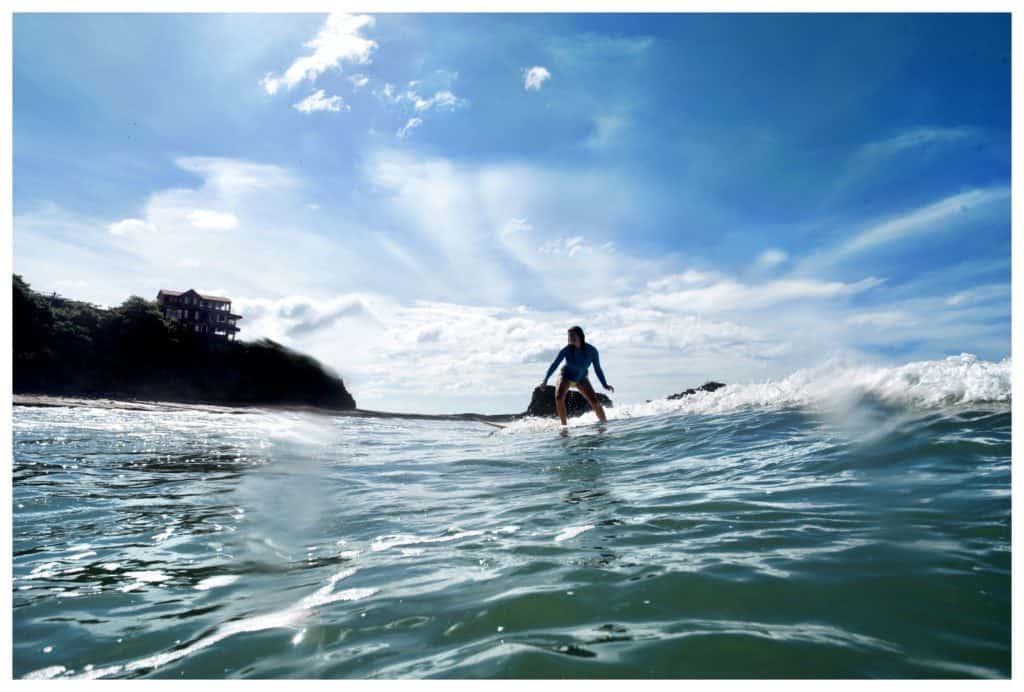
(50, 400)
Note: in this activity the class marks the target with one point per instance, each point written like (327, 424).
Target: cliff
(68, 347)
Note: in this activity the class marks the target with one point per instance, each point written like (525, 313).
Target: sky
(427, 202)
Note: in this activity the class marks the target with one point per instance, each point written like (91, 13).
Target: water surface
(776, 530)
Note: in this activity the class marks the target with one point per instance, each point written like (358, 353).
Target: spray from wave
(955, 380)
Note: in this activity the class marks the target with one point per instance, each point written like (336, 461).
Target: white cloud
(232, 178)
(358, 81)
(409, 126)
(338, 41)
(318, 102)
(416, 104)
(213, 220)
(443, 99)
(129, 226)
(534, 77)
(298, 316)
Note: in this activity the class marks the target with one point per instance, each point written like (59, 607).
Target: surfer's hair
(579, 333)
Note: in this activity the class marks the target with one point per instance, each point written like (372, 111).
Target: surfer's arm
(558, 359)
(597, 368)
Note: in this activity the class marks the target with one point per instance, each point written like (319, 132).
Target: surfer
(578, 355)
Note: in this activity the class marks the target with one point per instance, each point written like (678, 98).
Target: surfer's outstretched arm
(599, 371)
(558, 359)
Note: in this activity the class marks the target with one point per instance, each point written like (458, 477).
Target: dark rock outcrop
(706, 387)
(543, 402)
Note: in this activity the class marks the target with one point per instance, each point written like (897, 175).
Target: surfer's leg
(561, 389)
(587, 390)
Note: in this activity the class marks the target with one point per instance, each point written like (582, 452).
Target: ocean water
(841, 522)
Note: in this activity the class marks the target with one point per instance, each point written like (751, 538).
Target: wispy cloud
(317, 101)
(416, 93)
(979, 294)
(917, 137)
(441, 99)
(916, 222)
(339, 40)
(534, 77)
(410, 125)
(876, 161)
(358, 80)
(721, 294)
(571, 52)
(415, 101)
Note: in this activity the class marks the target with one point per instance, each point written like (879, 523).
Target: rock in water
(543, 402)
(706, 387)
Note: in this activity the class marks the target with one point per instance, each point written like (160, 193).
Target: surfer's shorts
(572, 383)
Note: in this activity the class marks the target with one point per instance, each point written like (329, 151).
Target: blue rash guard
(577, 360)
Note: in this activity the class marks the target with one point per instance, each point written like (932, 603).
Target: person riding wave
(578, 355)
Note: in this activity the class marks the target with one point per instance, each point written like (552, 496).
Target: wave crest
(954, 380)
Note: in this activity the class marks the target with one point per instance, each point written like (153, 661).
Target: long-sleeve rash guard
(577, 361)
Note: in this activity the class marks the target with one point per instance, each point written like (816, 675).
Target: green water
(755, 541)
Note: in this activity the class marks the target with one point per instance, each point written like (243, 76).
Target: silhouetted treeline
(69, 347)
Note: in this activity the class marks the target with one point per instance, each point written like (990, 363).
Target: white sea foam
(572, 532)
(954, 380)
(45, 673)
(216, 582)
(148, 576)
(394, 540)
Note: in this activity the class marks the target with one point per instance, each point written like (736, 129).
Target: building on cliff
(207, 315)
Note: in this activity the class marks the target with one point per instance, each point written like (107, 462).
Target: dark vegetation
(73, 348)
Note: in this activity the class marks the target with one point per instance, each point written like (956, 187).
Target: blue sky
(427, 202)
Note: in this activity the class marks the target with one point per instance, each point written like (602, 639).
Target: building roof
(221, 299)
